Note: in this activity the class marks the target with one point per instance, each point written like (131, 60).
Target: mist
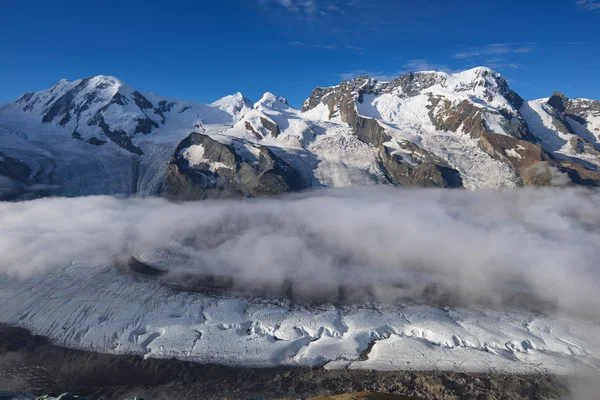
(524, 247)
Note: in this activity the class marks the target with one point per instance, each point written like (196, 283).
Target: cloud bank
(359, 244)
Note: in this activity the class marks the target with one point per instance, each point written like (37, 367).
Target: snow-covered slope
(568, 129)
(99, 135)
(93, 307)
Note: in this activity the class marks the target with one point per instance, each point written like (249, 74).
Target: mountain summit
(430, 129)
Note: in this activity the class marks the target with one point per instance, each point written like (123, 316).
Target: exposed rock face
(413, 166)
(342, 99)
(519, 154)
(270, 126)
(203, 168)
(421, 129)
(535, 166)
(448, 117)
(559, 101)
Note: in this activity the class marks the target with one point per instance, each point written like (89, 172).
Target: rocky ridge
(423, 129)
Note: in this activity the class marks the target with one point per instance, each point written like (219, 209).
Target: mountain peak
(559, 101)
(271, 100)
(235, 104)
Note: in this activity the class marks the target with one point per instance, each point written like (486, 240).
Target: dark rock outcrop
(270, 126)
(119, 137)
(417, 167)
(225, 173)
(559, 101)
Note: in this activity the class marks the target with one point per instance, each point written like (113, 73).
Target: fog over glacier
(379, 243)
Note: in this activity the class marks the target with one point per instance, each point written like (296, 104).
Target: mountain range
(424, 129)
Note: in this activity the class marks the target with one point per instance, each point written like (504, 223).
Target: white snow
(541, 124)
(195, 155)
(317, 142)
(513, 153)
(406, 118)
(94, 307)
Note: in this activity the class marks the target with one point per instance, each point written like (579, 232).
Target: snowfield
(322, 148)
(93, 307)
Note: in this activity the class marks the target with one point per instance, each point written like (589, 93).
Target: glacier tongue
(94, 307)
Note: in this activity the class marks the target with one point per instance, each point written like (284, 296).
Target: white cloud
(424, 65)
(496, 49)
(497, 56)
(303, 7)
(589, 5)
(379, 75)
(385, 241)
(417, 65)
(321, 46)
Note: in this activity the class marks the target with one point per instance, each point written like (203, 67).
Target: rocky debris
(413, 166)
(226, 171)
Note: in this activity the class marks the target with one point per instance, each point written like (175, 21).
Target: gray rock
(418, 167)
(226, 173)
(271, 126)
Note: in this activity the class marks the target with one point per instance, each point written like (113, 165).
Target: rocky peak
(205, 168)
(559, 101)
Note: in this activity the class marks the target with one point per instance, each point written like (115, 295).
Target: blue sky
(202, 50)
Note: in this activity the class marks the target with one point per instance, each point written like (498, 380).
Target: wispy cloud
(308, 7)
(379, 75)
(423, 65)
(496, 49)
(386, 76)
(498, 56)
(305, 9)
(589, 5)
(500, 63)
(320, 46)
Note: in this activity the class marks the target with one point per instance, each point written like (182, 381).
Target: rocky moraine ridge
(423, 129)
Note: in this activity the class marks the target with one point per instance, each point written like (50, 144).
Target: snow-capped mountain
(469, 129)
